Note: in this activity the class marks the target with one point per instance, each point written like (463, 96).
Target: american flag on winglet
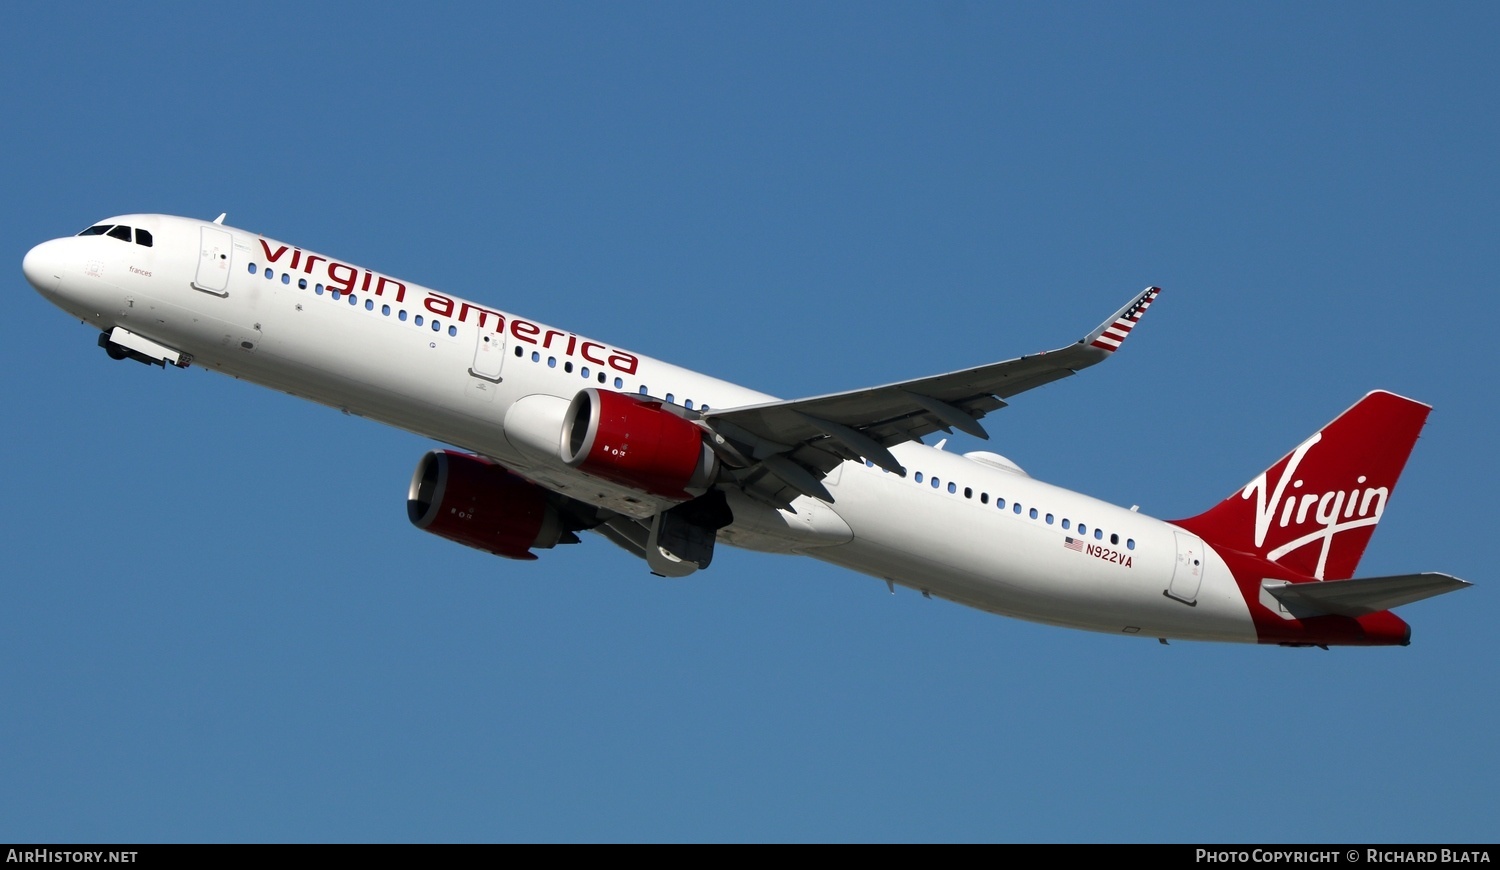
(1114, 334)
(1073, 544)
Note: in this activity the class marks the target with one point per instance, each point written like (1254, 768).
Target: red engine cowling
(473, 501)
(635, 442)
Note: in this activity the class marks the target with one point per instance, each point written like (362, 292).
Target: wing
(780, 450)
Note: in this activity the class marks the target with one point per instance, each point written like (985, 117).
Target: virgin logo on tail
(1332, 497)
(1331, 512)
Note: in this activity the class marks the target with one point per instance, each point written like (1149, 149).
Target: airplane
(553, 433)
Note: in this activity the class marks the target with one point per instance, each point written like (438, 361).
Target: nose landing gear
(123, 344)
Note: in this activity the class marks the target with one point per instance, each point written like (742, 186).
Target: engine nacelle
(635, 442)
(473, 501)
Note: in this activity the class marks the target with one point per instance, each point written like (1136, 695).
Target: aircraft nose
(43, 266)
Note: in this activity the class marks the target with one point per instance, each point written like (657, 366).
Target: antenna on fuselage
(220, 218)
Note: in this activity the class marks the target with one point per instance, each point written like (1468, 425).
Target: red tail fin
(1314, 511)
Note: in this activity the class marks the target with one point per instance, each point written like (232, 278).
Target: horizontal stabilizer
(1366, 594)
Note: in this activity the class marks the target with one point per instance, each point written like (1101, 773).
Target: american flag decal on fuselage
(1073, 544)
(1114, 334)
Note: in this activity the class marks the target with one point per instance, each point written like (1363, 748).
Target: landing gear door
(1187, 574)
(215, 251)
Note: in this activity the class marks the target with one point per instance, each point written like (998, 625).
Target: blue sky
(216, 623)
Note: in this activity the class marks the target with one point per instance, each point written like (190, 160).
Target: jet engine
(473, 501)
(637, 442)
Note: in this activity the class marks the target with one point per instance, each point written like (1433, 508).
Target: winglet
(1113, 332)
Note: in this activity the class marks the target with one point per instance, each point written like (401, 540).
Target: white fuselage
(452, 370)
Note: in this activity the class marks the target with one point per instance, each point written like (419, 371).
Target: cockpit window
(120, 232)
